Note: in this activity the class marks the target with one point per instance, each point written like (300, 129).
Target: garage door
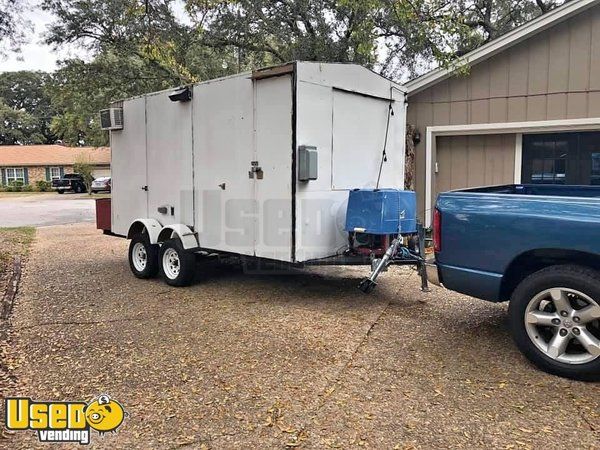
(101, 172)
(473, 161)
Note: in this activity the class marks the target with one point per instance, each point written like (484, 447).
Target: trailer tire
(143, 256)
(177, 265)
(548, 324)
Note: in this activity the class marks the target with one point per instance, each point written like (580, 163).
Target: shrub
(43, 186)
(27, 188)
(15, 186)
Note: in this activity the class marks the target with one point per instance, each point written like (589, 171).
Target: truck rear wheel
(143, 257)
(178, 265)
(555, 320)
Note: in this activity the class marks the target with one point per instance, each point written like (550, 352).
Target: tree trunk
(409, 162)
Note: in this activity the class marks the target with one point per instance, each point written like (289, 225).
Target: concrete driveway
(39, 210)
(302, 360)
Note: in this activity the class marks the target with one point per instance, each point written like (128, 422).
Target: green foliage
(18, 127)
(43, 186)
(266, 31)
(27, 91)
(13, 26)
(27, 188)
(85, 168)
(15, 186)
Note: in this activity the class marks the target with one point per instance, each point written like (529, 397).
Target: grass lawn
(19, 194)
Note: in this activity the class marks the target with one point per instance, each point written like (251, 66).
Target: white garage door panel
(97, 173)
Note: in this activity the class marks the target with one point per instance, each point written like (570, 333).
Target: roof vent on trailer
(111, 119)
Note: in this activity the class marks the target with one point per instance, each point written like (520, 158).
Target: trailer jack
(393, 256)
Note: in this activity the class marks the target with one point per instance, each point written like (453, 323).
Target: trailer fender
(185, 235)
(153, 227)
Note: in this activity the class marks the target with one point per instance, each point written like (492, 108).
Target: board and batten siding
(554, 75)
(474, 161)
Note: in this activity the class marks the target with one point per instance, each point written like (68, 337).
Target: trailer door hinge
(144, 188)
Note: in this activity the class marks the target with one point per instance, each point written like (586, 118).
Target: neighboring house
(528, 112)
(31, 163)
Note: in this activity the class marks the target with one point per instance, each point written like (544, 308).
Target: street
(39, 210)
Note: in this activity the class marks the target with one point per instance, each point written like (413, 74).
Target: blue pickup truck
(538, 247)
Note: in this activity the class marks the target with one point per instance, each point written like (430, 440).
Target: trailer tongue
(378, 222)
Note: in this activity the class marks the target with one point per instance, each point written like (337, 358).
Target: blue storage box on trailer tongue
(382, 211)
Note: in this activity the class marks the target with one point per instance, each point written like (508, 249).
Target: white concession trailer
(257, 164)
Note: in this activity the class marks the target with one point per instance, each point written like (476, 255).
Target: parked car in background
(69, 182)
(101, 184)
(537, 246)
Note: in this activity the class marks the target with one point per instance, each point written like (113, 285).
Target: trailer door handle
(145, 188)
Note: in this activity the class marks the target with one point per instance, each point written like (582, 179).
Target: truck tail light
(437, 230)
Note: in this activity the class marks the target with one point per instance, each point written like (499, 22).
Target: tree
(493, 18)
(147, 30)
(13, 27)
(27, 91)
(394, 37)
(284, 30)
(84, 167)
(17, 127)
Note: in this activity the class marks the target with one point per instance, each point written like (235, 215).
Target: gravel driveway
(38, 210)
(302, 360)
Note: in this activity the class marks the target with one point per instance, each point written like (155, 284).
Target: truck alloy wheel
(177, 264)
(555, 317)
(143, 257)
(559, 330)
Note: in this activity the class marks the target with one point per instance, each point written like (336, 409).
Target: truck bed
(486, 232)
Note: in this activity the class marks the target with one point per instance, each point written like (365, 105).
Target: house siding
(42, 173)
(554, 75)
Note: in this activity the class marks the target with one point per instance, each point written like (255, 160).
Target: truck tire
(79, 189)
(178, 266)
(555, 320)
(143, 256)
(60, 191)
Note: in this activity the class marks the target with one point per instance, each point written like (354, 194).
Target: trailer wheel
(143, 256)
(177, 265)
(555, 320)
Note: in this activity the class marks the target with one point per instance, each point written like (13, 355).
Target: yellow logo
(64, 421)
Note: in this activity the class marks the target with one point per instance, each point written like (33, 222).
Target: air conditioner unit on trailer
(111, 119)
